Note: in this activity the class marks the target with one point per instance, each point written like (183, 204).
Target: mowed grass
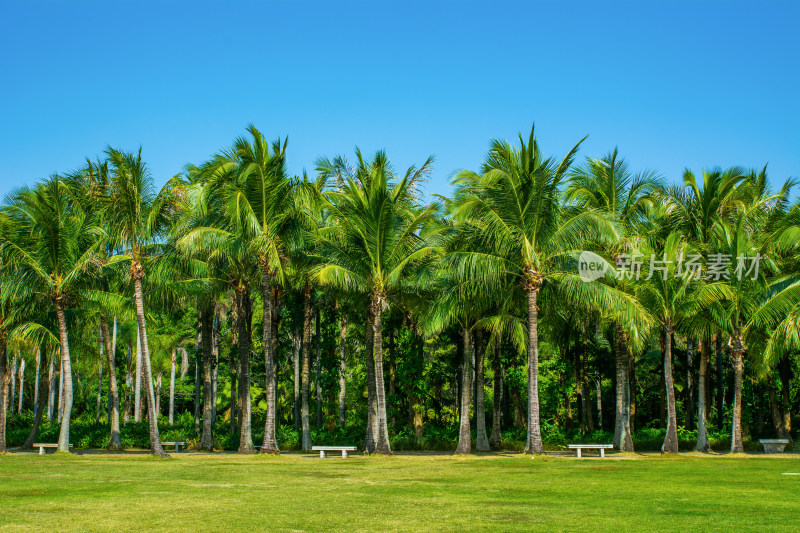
(294, 492)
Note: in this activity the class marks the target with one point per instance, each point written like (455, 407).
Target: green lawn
(293, 492)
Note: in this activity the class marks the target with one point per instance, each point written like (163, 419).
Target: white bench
(601, 447)
(323, 449)
(176, 444)
(43, 445)
(774, 445)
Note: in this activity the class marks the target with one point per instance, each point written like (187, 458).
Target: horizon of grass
(404, 492)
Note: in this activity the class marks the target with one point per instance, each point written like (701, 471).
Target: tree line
(539, 288)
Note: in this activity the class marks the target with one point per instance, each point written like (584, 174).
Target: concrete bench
(176, 444)
(43, 445)
(601, 447)
(774, 445)
(323, 449)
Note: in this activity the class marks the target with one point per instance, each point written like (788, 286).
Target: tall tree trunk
(318, 375)
(270, 445)
(51, 388)
(215, 362)
(496, 439)
(21, 383)
(66, 373)
(533, 443)
(786, 375)
(622, 428)
(598, 383)
(184, 361)
(155, 439)
(115, 442)
(137, 399)
(126, 417)
(206, 324)
(158, 393)
(13, 378)
(3, 388)
(689, 384)
(481, 439)
(720, 384)
(306, 369)
(38, 403)
(382, 445)
(245, 428)
(702, 383)
(60, 390)
(671, 438)
(37, 377)
(371, 437)
(464, 433)
(342, 371)
(738, 368)
(297, 341)
(173, 364)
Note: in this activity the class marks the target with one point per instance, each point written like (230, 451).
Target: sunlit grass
(225, 492)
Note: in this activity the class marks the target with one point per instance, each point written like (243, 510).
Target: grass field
(294, 492)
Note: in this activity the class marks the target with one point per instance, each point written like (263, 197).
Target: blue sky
(673, 84)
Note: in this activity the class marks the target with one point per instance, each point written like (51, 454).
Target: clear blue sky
(674, 85)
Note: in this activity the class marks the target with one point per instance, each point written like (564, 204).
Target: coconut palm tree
(609, 186)
(138, 216)
(373, 246)
(527, 234)
(51, 259)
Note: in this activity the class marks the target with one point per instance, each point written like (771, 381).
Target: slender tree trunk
(598, 382)
(689, 384)
(297, 340)
(38, 404)
(158, 393)
(270, 445)
(671, 438)
(318, 375)
(306, 369)
(245, 428)
(21, 383)
(622, 428)
(99, 385)
(382, 445)
(533, 443)
(496, 439)
(61, 390)
(207, 437)
(115, 442)
(342, 371)
(464, 433)
(786, 375)
(738, 368)
(128, 384)
(481, 439)
(184, 361)
(371, 437)
(3, 388)
(720, 384)
(173, 364)
(702, 430)
(215, 363)
(37, 379)
(155, 439)
(51, 389)
(137, 399)
(66, 373)
(13, 378)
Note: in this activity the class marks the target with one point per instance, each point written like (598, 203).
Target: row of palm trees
(490, 262)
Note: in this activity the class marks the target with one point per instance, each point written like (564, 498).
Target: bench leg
(322, 454)
(602, 452)
(41, 450)
(177, 447)
(344, 454)
(578, 450)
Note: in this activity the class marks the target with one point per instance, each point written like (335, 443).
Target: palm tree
(527, 234)
(373, 247)
(51, 258)
(697, 212)
(608, 185)
(138, 217)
